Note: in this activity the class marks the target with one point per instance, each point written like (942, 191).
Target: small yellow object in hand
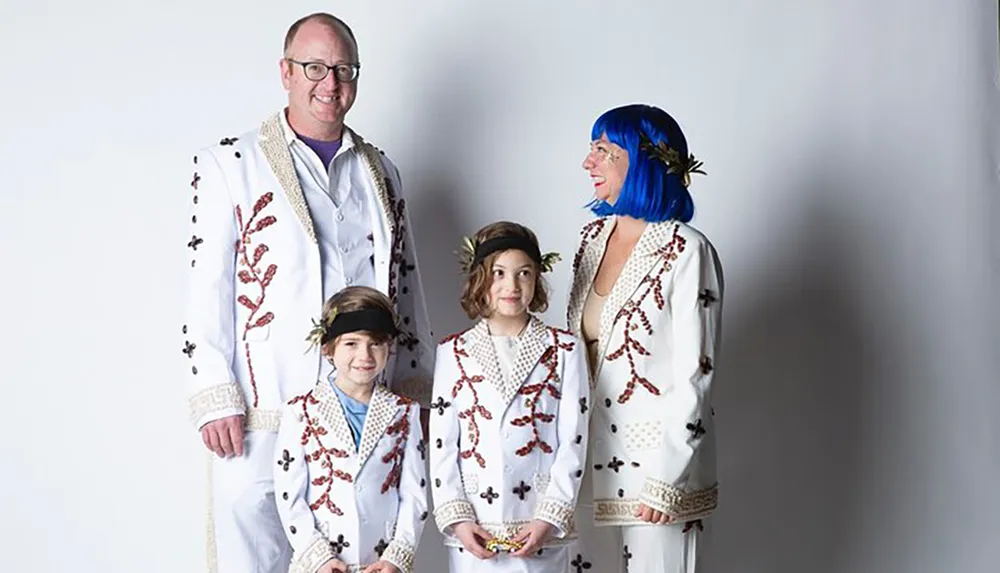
(496, 545)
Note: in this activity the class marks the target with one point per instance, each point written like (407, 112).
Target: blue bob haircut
(649, 192)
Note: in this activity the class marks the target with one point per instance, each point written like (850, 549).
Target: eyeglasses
(317, 71)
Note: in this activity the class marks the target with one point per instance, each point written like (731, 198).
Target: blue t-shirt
(354, 411)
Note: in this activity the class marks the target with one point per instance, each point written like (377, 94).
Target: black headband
(367, 319)
(505, 243)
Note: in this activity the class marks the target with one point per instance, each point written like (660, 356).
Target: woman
(646, 298)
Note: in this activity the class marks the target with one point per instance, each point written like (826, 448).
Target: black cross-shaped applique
(405, 267)
(489, 495)
(339, 545)
(409, 341)
(195, 180)
(615, 464)
(380, 547)
(194, 242)
(583, 405)
(693, 524)
(706, 298)
(696, 428)
(189, 348)
(285, 460)
(626, 555)
(706, 365)
(579, 563)
(522, 489)
(228, 140)
(422, 448)
(440, 405)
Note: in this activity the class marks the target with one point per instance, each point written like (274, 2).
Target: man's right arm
(216, 400)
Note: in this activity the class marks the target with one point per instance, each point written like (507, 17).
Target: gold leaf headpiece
(676, 163)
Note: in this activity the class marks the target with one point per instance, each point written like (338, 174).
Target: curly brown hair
(357, 298)
(475, 292)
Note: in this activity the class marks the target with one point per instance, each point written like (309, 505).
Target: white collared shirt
(340, 212)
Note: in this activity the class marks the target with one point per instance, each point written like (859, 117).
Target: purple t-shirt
(325, 149)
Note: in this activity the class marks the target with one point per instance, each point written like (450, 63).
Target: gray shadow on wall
(789, 402)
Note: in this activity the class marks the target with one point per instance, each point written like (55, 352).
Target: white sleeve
(209, 321)
(412, 499)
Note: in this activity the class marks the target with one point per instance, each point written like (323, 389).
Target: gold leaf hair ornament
(676, 163)
(318, 332)
(549, 261)
(466, 254)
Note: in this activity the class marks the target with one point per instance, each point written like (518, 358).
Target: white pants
(552, 560)
(245, 533)
(633, 548)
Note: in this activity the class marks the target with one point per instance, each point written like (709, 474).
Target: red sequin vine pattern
(551, 363)
(634, 317)
(251, 272)
(476, 409)
(395, 455)
(314, 432)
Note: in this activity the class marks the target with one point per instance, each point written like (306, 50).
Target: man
(282, 218)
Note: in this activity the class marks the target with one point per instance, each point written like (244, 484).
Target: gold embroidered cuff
(399, 554)
(556, 512)
(308, 561)
(263, 420)
(417, 389)
(223, 397)
(677, 503)
(453, 512)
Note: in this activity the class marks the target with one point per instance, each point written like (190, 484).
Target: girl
(350, 478)
(647, 299)
(508, 420)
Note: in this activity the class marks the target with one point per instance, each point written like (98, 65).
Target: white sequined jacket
(357, 505)
(504, 450)
(652, 431)
(254, 282)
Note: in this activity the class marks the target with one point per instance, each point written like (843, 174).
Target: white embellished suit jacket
(360, 504)
(506, 451)
(255, 278)
(652, 430)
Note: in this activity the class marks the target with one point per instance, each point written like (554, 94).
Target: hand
(650, 515)
(224, 436)
(474, 538)
(532, 535)
(425, 422)
(333, 566)
(381, 567)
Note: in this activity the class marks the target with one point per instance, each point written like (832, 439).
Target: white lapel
(640, 262)
(593, 242)
(381, 410)
(331, 410)
(275, 148)
(481, 349)
(383, 219)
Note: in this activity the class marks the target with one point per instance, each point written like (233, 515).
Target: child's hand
(381, 567)
(474, 538)
(650, 515)
(333, 566)
(532, 535)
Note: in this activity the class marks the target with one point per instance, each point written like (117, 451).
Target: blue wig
(649, 192)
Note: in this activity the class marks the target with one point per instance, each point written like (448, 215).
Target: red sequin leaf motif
(550, 360)
(313, 434)
(468, 383)
(635, 317)
(587, 234)
(396, 260)
(251, 273)
(401, 430)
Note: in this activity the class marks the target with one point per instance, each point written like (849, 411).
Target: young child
(509, 416)
(350, 478)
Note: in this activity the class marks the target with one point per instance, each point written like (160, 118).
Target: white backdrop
(852, 151)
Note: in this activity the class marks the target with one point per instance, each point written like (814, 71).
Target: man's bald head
(332, 22)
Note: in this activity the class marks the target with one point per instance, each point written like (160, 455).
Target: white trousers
(245, 533)
(552, 560)
(633, 548)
